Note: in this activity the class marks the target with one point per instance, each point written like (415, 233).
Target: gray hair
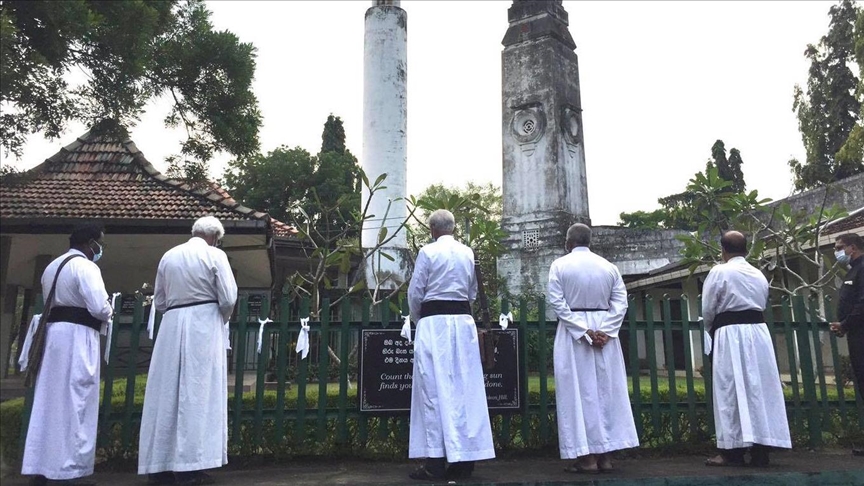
(208, 226)
(578, 235)
(442, 221)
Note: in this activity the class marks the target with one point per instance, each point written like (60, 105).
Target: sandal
(423, 474)
(722, 461)
(577, 469)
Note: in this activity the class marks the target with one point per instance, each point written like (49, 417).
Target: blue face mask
(97, 256)
(842, 257)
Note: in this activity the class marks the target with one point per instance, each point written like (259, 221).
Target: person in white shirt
(61, 436)
(749, 408)
(449, 415)
(587, 294)
(184, 426)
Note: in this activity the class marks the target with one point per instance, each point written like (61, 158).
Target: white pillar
(385, 59)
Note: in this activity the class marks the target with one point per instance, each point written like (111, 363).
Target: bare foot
(604, 462)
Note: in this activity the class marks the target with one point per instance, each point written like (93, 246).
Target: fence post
(808, 378)
(261, 370)
(108, 386)
(632, 330)
(344, 343)
(363, 421)
(523, 357)
(281, 367)
(544, 392)
(302, 369)
(323, 368)
(137, 320)
(239, 369)
(672, 396)
(651, 349)
(688, 367)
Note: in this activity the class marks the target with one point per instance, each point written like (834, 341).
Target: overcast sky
(661, 81)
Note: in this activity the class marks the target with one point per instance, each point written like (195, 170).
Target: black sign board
(387, 366)
(502, 382)
(127, 304)
(253, 304)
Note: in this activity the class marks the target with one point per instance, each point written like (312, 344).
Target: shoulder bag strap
(37, 348)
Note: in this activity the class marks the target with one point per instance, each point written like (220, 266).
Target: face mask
(842, 257)
(97, 256)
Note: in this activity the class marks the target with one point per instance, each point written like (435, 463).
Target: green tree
(336, 182)
(294, 186)
(477, 209)
(272, 182)
(831, 107)
(853, 149)
(132, 52)
(783, 242)
(728, 169)
(685, 210)
(333, 138)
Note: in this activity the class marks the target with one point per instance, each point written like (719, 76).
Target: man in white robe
(184, 426)
(749, 408)
(592, 403)
(449, 415)
(61, 436)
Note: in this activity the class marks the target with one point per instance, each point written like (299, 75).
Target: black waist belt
(730, 318)
(77, 315)
(445, 307)
(586, 309)
(191, 304)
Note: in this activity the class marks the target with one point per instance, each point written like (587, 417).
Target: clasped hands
(598, 338)
(837, 329)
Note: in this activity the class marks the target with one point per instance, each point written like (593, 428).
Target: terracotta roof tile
(94, 178)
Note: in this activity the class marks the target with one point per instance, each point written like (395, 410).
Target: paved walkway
(825, 468)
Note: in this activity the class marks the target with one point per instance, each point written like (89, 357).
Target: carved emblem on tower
(571, 128)
(528, 126)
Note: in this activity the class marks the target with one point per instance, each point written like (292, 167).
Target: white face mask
(842, 257)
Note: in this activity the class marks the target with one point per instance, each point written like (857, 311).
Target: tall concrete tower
(544, 184)
(385, 78)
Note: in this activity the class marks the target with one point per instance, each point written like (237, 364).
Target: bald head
(733, 244)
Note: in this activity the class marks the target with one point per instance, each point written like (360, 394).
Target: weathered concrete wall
(847, 193)
(636, 251)
(544, 184)
(385, 110)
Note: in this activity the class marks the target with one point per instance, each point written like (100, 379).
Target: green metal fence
(310, 406)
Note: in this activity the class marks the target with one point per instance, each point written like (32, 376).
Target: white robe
(184, 425)
(449, 415)
(61, 437)
(592, 402)
(749, 407)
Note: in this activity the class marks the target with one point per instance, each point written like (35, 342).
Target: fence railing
(310, 406)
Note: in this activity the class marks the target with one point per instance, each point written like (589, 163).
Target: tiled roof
(855, 221)
(99, 178)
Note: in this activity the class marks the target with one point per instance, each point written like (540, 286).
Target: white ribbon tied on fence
(406, 328)
(151, 321)
(108, 328)
(262, 323)
(303, 338)
(504, 320)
